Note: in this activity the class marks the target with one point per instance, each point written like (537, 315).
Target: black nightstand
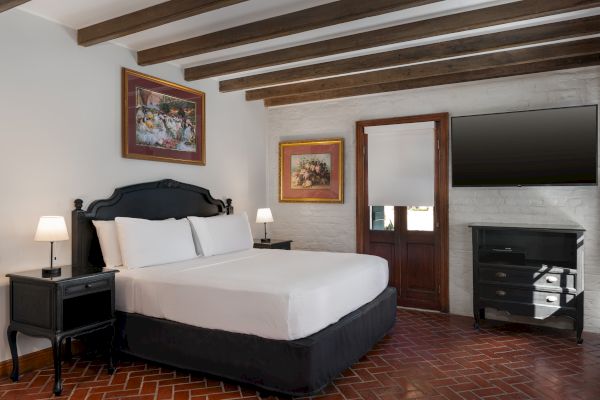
(273, 244)
(79, 301)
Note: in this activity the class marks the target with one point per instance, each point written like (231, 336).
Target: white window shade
(401, 164)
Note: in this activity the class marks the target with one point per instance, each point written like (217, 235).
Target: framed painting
(311, 171)
(162, 121)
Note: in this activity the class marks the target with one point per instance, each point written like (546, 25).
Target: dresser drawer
(528, 296)
(527, 277)
(90, 286)
(536, 311)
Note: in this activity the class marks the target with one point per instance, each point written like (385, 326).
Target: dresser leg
(56, 350)
(579, 332)
(478, 314)
(12, 342)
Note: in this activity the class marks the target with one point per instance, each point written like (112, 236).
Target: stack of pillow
(136, 243)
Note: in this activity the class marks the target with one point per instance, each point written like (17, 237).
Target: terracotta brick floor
(429, 356)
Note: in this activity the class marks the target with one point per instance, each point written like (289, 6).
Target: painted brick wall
(332, 227)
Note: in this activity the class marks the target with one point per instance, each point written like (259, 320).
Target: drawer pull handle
(551, 279)
(504, 250)
(500, 293)
(551, 299)
(501, 275)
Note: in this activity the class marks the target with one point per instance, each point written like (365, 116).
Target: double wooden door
(413, 239)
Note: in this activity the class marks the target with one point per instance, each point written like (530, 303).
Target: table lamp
(51, 229)
(263, 215)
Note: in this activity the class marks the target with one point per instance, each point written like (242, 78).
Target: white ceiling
(81, 13)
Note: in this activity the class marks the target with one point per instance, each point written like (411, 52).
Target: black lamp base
(265, 240)
(50, 272)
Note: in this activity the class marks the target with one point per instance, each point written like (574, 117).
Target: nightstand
(273, 244)
(79, 301)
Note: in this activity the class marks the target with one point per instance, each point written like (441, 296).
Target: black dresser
(529, 270)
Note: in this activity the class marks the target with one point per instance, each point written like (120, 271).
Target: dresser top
(516, 225)
(66, 273)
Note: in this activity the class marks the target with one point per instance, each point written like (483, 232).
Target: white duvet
(275, 294)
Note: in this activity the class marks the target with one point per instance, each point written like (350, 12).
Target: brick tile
(164, 393)
(134, 383)
(149, 388)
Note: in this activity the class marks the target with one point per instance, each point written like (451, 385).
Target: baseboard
(37, 359)
(419, 309)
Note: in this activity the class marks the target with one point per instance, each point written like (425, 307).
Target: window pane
(382, 218)
(419, 218)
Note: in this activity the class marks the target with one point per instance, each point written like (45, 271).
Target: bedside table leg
(56, 350)
(68, 350)
(12, 342)
(111, 350)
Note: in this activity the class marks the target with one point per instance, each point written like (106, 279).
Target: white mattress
(275, 294)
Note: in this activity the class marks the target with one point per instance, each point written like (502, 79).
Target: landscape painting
(162, 121)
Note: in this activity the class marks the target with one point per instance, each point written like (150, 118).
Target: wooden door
(418, 258)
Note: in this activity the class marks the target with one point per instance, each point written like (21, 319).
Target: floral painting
(162, 121)
(312, 171)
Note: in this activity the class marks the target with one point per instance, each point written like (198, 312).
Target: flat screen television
(527, 148)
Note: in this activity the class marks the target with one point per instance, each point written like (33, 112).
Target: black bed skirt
(298, 367)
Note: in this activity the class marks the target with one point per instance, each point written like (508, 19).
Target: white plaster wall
(60, 139)
(332, 227)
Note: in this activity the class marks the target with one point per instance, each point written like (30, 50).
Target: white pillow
(144, 242)
(109, 243)
(222, 234)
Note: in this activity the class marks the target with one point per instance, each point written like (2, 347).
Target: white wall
(60, 133)
(332, 227)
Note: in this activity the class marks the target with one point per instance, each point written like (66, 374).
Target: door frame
(441, 121)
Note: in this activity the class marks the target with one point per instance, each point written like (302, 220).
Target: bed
(284, 321)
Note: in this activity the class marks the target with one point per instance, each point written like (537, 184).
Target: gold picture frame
(311, 171)
(185, 140)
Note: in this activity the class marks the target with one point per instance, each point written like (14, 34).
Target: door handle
(501, 275)
(500, 293)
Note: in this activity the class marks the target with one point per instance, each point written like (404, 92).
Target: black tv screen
(542, 147)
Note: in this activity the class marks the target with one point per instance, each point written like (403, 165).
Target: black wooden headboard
(152, 200)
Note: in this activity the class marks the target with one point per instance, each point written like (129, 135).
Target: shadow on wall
(24, 342)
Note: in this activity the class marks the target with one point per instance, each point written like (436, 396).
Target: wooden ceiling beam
(436, 68)
(151, 17)
(453, 78)
(6, 5)
(453, 48)
(328, 14)
(505, 13)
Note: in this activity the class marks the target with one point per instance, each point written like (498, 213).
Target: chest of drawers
(529, 270)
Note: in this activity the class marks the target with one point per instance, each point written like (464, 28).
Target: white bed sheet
(275, 294)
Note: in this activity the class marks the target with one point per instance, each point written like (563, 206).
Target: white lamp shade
(264, 215)
(51, 229)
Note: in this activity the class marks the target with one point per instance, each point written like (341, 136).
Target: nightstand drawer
(89, 286)
(273, 244)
